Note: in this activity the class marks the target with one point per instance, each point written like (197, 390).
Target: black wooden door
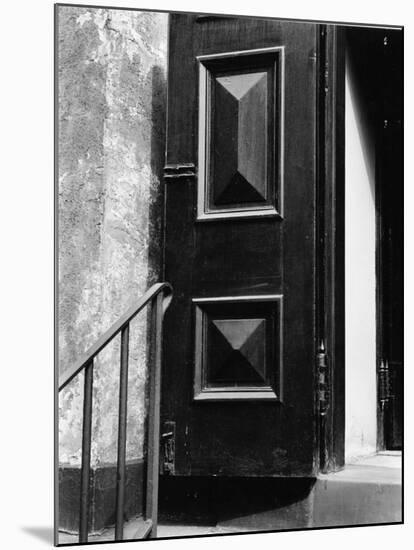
(239, 374)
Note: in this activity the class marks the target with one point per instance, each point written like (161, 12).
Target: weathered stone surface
(112, 92)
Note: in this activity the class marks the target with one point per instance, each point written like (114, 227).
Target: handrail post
(86, 453)
(122, 425)
(154, 414)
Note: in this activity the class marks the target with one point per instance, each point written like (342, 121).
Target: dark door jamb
(330, 227)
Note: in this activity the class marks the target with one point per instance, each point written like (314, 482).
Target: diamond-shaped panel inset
(240, 138)
(237, 351)
(239, 187)
(237, 347)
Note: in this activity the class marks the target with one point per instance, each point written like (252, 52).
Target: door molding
(330, 292)
(272, 59)
(270, 319)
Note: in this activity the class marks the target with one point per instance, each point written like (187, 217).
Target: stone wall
(111, 124)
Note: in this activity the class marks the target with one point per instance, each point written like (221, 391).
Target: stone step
(367, 491)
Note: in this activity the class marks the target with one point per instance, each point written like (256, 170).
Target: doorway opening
(373, 242)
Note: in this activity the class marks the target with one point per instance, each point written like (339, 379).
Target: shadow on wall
(364, 61)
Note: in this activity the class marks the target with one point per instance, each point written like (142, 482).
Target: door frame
(330, 254)
(389, 125)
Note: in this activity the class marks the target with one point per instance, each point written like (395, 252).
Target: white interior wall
(360, 340)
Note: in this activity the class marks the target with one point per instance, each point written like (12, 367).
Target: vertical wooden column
(330, 243)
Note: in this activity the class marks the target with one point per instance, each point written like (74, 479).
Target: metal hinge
(323, 380)
(167, 459)
(325, 67)
(326, 79)
(384, 384)
(179, 171)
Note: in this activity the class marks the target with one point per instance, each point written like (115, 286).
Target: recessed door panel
(240, 133)
(238, 348)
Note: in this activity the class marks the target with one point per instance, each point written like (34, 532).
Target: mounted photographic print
(229, 197)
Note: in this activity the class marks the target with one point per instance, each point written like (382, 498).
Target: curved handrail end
(151, 293)
(168, 296)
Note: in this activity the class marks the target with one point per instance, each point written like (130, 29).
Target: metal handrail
(72, 371)
(159, 295)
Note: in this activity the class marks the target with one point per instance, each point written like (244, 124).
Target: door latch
(167, 462)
